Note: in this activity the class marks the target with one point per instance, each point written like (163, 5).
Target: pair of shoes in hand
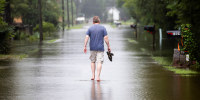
(110, 55)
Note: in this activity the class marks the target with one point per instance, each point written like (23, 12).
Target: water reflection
(6, 83)
(96, 93)
(40, 52)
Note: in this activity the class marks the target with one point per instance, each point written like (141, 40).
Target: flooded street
(61, 71)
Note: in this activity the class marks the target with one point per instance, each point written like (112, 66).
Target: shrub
(5, 31)
(190, 43)
(47, 27)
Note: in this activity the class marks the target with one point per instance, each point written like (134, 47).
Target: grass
(15, 57)
(127, 22)
(51, 41)
(34, 51)
(77, 26)
(180, 71)
(112, 25)
(166, 62)
(132, 41)
(163, 60)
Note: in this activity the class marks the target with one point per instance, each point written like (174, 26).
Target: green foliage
(169, 14)
(196, 66)
(187, 12)
(163, 60)
(190, 44)
(52, 41)
(47, 27)
(149, 12)
(2, 23)
(2, 5)
(5, 31)
(28, 10)
(34, 37)
(15, 57)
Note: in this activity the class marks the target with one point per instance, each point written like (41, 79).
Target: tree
(40, 19)
(68, 22)
(5, 30)
(169, 14)
(28, 11)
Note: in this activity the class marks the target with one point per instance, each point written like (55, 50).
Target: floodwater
(61, 71)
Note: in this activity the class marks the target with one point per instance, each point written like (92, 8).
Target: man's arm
(85, 43)
(107, 42)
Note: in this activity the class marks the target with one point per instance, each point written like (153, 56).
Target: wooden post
(68, 23)
(154, 37)
(136, 31)
(72, 11)
(40, 20)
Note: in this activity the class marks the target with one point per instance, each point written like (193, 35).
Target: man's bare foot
(98, 79)
(93, 78)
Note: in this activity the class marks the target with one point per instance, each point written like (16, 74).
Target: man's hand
(109, 49)
(107, 42)
(85, 50)
(85, 44)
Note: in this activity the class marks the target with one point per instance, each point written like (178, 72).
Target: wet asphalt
(61, 71)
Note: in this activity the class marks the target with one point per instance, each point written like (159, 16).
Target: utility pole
(68, 23)
(72, 13)
(63, 16)
(40, 20)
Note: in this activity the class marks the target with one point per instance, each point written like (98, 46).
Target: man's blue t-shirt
(96, 34)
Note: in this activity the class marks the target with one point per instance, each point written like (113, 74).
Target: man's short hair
(96, 19)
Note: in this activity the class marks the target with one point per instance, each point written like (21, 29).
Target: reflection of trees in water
(40, 50)
(7, 84)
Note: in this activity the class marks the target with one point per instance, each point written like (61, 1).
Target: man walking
(97, 34)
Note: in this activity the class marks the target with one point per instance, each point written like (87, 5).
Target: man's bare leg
(93, 71)
(99, 66)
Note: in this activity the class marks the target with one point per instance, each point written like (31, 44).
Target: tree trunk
(40, 20)
(7, 15)
(63, 16)
(72, 13)
(68, 23)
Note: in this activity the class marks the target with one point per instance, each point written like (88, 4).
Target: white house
(113, 14)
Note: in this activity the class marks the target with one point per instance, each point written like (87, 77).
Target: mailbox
(150, 28)
(173, 33)
(133, 26)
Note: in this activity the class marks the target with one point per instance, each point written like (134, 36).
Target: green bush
(190, 43)
(34, 37)
(47, 27)
(5, 31)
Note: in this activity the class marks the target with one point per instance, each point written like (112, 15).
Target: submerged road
(61, 71)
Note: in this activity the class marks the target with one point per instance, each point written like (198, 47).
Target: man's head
(96, 19)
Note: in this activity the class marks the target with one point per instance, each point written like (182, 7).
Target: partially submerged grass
(51, 41)
(132, 41)
(163, 60)
(77, 26)
(127, 22)
(166, 62)
(180, 71)
(10, 57)
(113, 25)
